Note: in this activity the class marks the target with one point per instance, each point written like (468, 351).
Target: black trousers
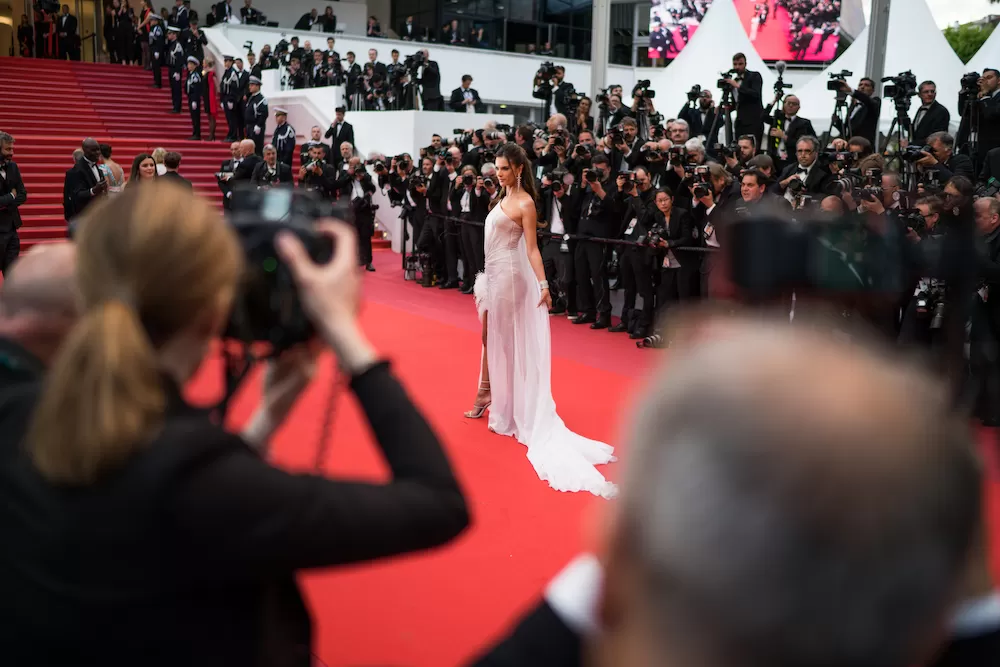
(241, 130)
(258, 141)
(67, 49)
(434, 105)
(452, 244)
(231, 122)
(429, 242)
(636, 267)
(473, 251)
(592, 279)
(175, 91)
(10, 248)
(559, 272)
(195, 118)
(156, 63)
(364, 222)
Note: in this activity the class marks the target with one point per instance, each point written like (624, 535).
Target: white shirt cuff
(977, 617)
(574, 592)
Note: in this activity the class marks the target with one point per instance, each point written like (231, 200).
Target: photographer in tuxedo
(272, 172)
(154, 500)
(806, 175)
(471, 201)
(711, 207)
(600, 216)
(430, 84)
(700, 116)
(748, 87)
(360, 188)
(931, 117)
(787, 127)
(635, 194)
(12, 197)
(225, 176)
(558, 214)
(863, 113)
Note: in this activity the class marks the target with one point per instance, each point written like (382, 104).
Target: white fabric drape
(520, 360)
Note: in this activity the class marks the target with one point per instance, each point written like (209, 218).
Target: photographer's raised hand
(284, 381)
(331, 293)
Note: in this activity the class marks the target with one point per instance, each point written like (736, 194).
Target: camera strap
(235, 369)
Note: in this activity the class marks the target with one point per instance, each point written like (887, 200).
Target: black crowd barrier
(543, 233)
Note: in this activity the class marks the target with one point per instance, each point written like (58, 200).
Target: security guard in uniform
(157, 48)
(284, 137)
(194, 94)
(255, 115)
(230, 91)
(175, 64)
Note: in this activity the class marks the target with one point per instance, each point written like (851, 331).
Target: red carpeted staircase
(51, 106)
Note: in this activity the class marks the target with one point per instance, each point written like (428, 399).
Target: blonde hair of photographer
(156, 266)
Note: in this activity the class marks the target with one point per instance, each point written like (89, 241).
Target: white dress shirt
(556, 225)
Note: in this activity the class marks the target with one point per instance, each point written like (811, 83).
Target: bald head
(247, 147)
(42, 281)
(794, 500)
(38, 299)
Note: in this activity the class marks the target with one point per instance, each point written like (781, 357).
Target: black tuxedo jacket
(700, 127)
(936, 119)
(750, 109)
(456, 103)
(346, 134)
(174, 177)
(991, 165)
(10, 216)
(816, 183)
(244, 170)
(283, 176)
(863, 116)
(569, 211)
(430, 81)
(76, 189)
(66, 23)
(796, 129)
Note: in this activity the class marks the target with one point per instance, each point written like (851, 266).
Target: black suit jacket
(76, 189)
(541, 639)
(174, 177)
(936, 119)
(10, 216)
(750, 109)
(283, 175)
(796, 129)
(863, 116)
(67, 24)
(699, 127)
(818, 181)
(957, 165)
(430, 81)
(346, 134)
(456, 103)
(193, 545)
(991, 165)
(244, 170)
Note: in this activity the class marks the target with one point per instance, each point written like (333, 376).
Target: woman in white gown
(512, 298)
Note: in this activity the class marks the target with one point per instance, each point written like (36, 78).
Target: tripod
(968, 103)
(841, 118)
(901, 127)
(725, 111)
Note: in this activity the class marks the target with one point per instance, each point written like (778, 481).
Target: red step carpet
(772, 38)
(439, 609)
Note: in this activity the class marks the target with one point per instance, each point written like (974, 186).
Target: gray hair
(488, 169)
(811, 140)
(6, 139)
(680, 122)
(795, 500)
(944, 138)
(694, 144)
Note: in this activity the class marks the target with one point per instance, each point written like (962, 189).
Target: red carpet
(435, 610)
(772, 37)
(438, 609)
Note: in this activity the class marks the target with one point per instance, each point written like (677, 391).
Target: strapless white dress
(519, 353)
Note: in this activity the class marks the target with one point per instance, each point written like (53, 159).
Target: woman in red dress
(211, 95)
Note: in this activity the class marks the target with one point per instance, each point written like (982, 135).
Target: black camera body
(694, 93)
(901, 87)
(642, 90)
(914, 153)
(267, 307)
(591, 176)
(837, 78)
(468, 180)
(546, 71)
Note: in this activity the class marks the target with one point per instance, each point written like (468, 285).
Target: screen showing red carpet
(791, 30)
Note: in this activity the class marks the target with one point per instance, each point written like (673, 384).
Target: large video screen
(793, 30)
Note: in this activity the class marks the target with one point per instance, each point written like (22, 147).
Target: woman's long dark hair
(133, 177)
(516, 157)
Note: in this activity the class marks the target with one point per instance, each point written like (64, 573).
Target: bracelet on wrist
(543, 284)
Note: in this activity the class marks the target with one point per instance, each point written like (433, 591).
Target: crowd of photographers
(644, 205)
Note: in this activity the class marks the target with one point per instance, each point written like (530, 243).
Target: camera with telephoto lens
(871, 187)
(678, 156)
(591, 176)
(488, 182)
(615, 134)
(930, 301)
(653, 236)
(403, 162)
(914, 153)
(694, 93)
(642, 90)
(603, 97)
(414, 62)
(468, 180)
(970, 83)
(581, 150)
(727, 151)
(267, 307)
(844, 158)
(378, 164)
(721, 83)
(418, 180)
(837, 78)
(913, 219)
(700, 178)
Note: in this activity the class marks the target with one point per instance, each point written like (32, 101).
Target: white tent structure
(987, 56)
(709, 52)
(914, 43)
(852, 18)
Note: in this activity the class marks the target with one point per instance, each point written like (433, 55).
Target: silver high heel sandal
(477, 410)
